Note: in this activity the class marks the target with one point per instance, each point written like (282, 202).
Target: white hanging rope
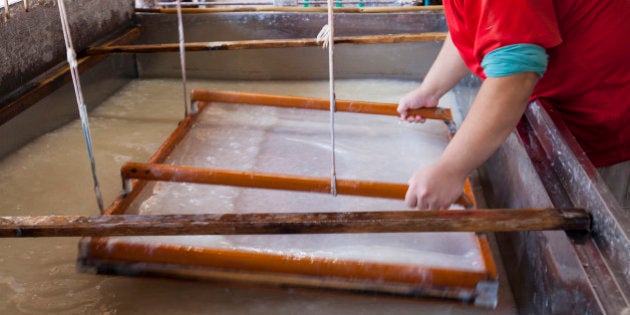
(182, 54)
(7, 14)
(327, 35)
(72, 61)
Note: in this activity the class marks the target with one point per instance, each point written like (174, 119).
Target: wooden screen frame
(264, 268)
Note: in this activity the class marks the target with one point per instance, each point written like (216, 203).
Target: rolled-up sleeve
(513, 59)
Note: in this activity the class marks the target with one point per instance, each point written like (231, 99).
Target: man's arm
(447, 69)
(495, 112)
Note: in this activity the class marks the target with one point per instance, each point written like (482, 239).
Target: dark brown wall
(32, 42)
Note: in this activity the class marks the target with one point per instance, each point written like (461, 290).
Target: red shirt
(588, 76)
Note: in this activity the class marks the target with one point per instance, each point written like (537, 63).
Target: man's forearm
(495, 112)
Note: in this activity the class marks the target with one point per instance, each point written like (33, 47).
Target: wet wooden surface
(433, 8)
(267, 43)
(293, 223)
(362, 107)
(189, 174)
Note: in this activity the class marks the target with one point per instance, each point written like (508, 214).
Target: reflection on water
(51, 175)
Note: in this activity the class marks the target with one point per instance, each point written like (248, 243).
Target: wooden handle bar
(431, 8)
(188, 174)
(315, 103)
(499, 220)
(267, 43)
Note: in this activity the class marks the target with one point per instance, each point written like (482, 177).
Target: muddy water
(51, 176)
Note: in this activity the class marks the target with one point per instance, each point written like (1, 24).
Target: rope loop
(323, 36)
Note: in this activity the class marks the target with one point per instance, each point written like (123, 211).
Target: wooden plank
(432, 8)
(486, 253)
(499, 220)
(266, 43)
(375, 276)
(36, 91)
(315, 103)
(189, 174)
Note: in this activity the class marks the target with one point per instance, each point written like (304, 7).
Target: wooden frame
(238, 265)
(267, 43)
(496, 220)
(431, 8)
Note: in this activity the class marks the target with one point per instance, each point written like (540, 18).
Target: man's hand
(444, 74)
(499, 105)
(415, 99)
(434, 187)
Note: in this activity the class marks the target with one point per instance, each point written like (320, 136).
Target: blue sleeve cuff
(513, 59)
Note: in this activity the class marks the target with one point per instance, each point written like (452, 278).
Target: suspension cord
(182, 54)
(327, 35)
(74, 70)
(7, 13)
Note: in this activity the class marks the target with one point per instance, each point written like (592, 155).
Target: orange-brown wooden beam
(189, 174)
(431, 8)
(267, 43)
(315, 103)
(497, 220)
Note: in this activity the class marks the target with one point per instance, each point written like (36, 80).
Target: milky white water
(297, 142)
(51, 176)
